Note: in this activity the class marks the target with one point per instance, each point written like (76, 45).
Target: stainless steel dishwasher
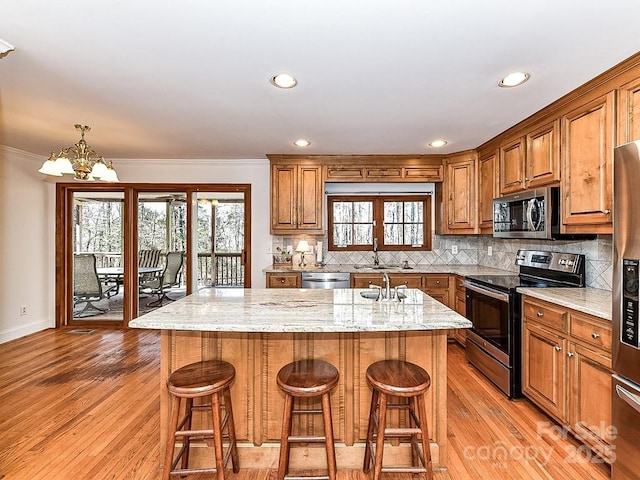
(326, 280)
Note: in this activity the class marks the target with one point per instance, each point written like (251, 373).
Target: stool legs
(285, 444)
(231, 428)
(328, 434)
(377, 418)
(218, 423)
(171, 438)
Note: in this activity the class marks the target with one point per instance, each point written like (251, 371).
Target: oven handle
(503, 297)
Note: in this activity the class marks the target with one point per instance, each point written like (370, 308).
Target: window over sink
(394, 222)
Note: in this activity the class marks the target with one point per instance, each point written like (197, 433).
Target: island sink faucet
(387, 286)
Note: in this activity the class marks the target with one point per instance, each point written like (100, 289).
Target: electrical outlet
(489, 250)
(454, 249)
(23, 310)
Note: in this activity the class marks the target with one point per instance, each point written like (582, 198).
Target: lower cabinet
(436, 285)
(566, 370)
(284, 280)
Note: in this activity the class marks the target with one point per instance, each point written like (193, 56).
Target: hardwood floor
(85, 407)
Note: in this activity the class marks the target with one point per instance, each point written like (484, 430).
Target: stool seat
(307, 379)
(395, 377)
(201, 378)
(210, 379)
(410, 382)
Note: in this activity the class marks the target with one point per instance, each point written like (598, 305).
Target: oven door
(489, 311)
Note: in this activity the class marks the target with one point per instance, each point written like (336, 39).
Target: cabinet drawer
(428, 174)
(363, 281)
(381, 172)
(283, 280)
(590, 330)
(436, 281)
(411, 281)
(545, 314)
(341, 173)
(460, 284)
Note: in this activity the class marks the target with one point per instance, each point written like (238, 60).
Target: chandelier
(81, 161)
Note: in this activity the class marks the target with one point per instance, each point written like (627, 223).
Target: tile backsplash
(473, 250)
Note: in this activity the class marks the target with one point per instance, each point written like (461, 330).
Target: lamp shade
(303, 246)
(49, 167)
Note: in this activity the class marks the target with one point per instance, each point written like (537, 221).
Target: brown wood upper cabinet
(629, 112)
(296, 198)
(587, 151)
(487, 190)
(459, 193)
(395, 169)
(512, 166)
(531, 161)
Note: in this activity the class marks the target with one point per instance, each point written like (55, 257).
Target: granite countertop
(455, 269)
(587, 300)
(299, 310)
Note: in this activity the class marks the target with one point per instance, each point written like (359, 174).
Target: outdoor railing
(227, 271)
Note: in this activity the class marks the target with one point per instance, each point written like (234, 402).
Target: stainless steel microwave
(530, 214)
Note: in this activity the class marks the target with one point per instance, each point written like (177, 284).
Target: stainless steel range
(494, 343)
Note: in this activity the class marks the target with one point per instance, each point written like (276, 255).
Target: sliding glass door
(125, 250)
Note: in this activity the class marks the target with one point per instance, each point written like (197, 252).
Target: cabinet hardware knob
(595, 335)
(282, 280)
(558, 348)
(540, 314)
(607, 212)
(437, 282)
(570, 354)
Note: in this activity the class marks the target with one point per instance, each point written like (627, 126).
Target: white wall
(27, 226)
(27, 262)
(254, 172)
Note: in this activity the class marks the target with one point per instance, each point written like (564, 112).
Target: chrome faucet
(376, 260)
(387, 286)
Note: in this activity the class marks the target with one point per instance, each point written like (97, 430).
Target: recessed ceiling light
(514, 79)
(283, 80)
(301, 142)
(438, 143)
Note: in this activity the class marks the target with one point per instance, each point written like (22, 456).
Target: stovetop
(508, 283)
(538, 269)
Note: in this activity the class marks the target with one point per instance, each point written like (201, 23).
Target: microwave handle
(532, 227)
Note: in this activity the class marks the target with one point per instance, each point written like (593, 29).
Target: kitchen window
(398, 222)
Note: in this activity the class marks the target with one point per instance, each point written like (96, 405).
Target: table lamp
(302, 248)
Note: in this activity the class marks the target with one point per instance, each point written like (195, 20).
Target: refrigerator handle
(632, 400)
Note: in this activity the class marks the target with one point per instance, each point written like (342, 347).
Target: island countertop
(300, 310)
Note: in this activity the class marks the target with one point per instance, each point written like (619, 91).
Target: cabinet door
(587, 147)
(512, 168)
(460, 306)
(543, 369)
(461, 196)
(440, 295)
(423, 174)
(309, 197)
(488, 190)
(341, 173)
(629, 112)
(543, 156)
(284, 184)
(589, 414)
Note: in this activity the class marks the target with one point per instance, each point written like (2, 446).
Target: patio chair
(149, 258)
(87, 287)
(168, 278)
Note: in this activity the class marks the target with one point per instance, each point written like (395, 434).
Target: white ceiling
(190, 79)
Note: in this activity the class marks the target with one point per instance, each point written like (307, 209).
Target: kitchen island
(261, 330)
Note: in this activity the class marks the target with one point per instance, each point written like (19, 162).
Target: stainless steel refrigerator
(626, 312)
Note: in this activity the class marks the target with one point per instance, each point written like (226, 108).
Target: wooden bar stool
(307, 378)
(211, 378)
(406, 380)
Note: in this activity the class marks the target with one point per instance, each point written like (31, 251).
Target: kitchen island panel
(258, 402)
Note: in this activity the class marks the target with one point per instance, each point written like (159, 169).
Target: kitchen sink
(372, 294)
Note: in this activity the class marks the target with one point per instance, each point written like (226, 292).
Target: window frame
(378, 221)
